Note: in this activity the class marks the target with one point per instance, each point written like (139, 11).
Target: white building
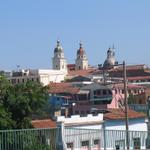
(103, 131)
(44, 76)
(115, 120)
(76, 131)
(47, 76)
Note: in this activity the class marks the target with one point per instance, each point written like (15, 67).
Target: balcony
(107, 98)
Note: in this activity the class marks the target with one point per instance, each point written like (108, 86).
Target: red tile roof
(131, 67)
(117, 114)
(56, 88)
(47, 123)
(139, 78)
(71, 65)
(129, 86)
(81, 72)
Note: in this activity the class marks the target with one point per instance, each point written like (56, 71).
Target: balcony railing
(139, 107)
(95, 139)
(73, 139)
(101, 98)
(28, 139)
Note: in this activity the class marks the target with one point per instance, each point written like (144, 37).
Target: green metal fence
(28, 139)
(73, 138)
(95, 139)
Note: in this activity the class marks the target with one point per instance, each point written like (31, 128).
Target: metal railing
(28, 139)
(139, 107)
(95, 139)
(73, 138)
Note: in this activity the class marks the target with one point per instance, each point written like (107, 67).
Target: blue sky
(29, 30)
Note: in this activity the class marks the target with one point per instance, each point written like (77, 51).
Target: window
(109, 92)
(96, 143)
(85, 144)
(88, 112)
(136, 142)
(120, 144)
(98, 92)
(69, 146)
(82, 112)
(104, 92)
(76, 112)
(13, 81)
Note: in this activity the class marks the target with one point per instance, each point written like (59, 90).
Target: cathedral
(81, 62)
(59, 61)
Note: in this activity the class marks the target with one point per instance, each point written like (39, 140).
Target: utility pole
(126, 105)
(148, 123)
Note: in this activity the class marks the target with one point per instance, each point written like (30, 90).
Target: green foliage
(5, 116)
(131, 99)
(19, 102)
(30, 139)
(5, 119)
(37, 146)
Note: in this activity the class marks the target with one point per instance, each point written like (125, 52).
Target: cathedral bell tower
(59, 61)
(81, 62)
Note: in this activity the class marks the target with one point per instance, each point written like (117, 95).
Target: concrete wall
(82, 122)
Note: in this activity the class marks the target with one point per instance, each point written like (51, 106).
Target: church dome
(58, 48)
(110, 60)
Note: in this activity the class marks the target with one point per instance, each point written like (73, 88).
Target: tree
(6, 121)
(19, 102)
(131, 99)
